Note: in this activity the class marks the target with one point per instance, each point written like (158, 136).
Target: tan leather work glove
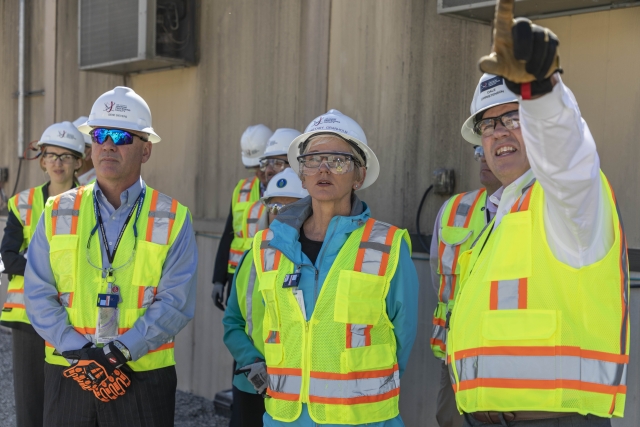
(525, 54)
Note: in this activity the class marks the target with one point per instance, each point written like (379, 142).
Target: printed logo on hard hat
(272, 142)
(281, 183)
(325, 120)
(119, 108)
(62, 133)
(250, 152)
(492, 82)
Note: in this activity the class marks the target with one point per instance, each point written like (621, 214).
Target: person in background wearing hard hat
(110, 281)
(87, 173)
(61, 153)
(245, 309)
(539, 333)
(340, 290)
(247, 192)
(460, 220)
(274, 159)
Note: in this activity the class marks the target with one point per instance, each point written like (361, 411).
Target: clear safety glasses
(119, 137)
(478, 153)
(337, 163)
(274, 208)
(278, 165)
(486, 126)
(51, 158)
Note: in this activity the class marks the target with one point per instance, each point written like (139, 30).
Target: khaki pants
(446, 412)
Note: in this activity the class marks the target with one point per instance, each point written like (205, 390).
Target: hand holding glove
(257, 375)
(218, 295)
(525, 54)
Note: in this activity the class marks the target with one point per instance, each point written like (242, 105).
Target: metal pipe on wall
(21, 81)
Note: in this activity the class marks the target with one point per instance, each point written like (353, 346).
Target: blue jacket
(402, 299)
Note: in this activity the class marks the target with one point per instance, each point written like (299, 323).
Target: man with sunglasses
(245, 309)
(460, 221)
(248, 191)
(110, 281)
(539, 330)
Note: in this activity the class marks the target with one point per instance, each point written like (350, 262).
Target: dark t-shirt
(310, 248)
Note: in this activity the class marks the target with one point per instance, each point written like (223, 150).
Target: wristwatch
(124, 350)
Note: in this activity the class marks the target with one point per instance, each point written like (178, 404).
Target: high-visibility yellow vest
(530, 333)
(27, 206)
(251, 222)
(69, 220)
(461, 222)
(246, 193)
(342, 362)
(250, 302)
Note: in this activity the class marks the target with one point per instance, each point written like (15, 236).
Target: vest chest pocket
(452, 238)
(359, 298)
(63, 255)
(511, 253)
(273, 351)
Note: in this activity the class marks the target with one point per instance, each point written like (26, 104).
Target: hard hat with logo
(63, 135)
(254, 142)
(279, 142)
(285, 184)
(490, 92)
(121, 108)
(80, 121)
(334, 122)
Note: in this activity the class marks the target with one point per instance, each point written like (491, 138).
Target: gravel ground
(191, 410)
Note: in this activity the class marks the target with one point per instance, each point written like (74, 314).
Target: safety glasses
(478, 153)
(53, 157)
(277, 164)
(119, 137)
(274, 208)
(337, 163)
(486, 126)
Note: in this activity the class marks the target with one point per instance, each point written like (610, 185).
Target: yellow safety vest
(246, 193)
(251, 222)
(27, 206)
(461, 222)
(250, 302)
(69, 220)
(530, 333)
(342, 362)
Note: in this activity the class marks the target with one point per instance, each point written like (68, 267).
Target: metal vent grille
(108, 31)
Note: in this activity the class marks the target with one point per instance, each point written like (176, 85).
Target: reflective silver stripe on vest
(289, 384)
(65, 299)
(161, 217)
(272, 338)
(352, 388)
(269, 252)
(464, 208)
(245, 191)
(23, 205)
(15, 298)
(148, 296)
(439, 333)
(541, 368)
(375, 247)
(253, 219)
(249, 300)
(508, 292)
(235, 258)
(65, 212)
(358, 338)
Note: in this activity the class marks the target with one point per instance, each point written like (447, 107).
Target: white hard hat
(254, 142)
(121, 108)
(80, 121)
(279, 142)
(63, 135)
(490, 92)
(333, 121)
(285, 184)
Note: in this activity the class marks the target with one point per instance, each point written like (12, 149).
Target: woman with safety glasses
(339, 288)
(61, 154)
(245, 309)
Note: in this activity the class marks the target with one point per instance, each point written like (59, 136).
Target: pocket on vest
(63, 255)
(520, 327)
(511, 254)
(452, 237)
(268, 290)
(273, 353)
(377, 356)
(359, 298)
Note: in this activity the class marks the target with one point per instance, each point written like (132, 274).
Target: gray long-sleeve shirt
(175, 299)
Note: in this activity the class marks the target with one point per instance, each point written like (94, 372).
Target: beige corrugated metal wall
(405, 73)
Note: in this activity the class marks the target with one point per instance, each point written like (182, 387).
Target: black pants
(149, 402)
(28, 376)
(247, 409)
(569, 421)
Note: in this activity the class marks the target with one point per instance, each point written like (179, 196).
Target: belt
(494, 417)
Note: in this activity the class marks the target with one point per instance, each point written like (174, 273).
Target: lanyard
(99, 224)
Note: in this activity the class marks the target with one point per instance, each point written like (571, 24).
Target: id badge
(291, 280)
(107, 327)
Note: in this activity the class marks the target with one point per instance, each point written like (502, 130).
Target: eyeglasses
(478, 153)
(119, 137)
(486, 126)
(274, 208)
(338, 163)
(53, 157)
(277, 164)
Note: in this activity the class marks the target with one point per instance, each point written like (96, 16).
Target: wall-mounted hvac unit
(483, 11)
(130, 36)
